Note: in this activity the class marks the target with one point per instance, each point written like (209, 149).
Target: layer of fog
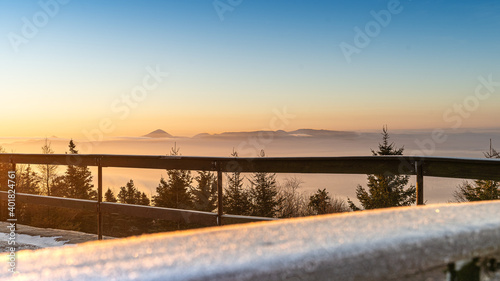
(450, 144)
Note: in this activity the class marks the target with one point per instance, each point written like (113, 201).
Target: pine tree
(480, 189)
(59, 187)
(385, 190)
(477, 191)
(143, 199)
(320, 202)
(109, 196)
(205, 194)
(162, 191)
(236, 198)
(47, 172)
(129, 194)
(72, 147)
(78, 179)
(174, 192)
(264, 194)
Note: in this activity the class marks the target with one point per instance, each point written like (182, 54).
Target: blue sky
(233, 73)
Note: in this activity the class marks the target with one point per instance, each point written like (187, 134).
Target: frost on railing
(435, 242)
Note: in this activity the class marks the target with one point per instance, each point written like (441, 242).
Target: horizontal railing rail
(435, 242)
(407, 165)
(434, 166)
(70, 203)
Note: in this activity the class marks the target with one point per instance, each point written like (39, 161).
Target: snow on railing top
(396, 243)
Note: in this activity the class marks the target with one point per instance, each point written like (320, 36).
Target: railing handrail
(435, 242)
(420, 166)
(449, 167)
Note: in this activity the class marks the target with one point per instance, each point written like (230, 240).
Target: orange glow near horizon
(190, 126)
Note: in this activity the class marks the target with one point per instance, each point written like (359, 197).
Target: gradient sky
(232, 73)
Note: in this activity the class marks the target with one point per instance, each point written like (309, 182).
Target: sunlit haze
(129, 67)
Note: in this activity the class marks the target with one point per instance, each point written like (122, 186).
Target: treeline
(256, 194)
(75, 182)
(263, 196)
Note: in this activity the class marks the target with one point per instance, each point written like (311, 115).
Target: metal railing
(488, 169)
(436, 243)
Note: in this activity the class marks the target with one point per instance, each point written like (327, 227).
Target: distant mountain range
(301, 133)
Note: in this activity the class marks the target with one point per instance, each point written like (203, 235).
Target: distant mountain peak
(201, 135)
(158, 134)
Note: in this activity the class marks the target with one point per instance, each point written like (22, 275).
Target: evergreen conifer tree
(174, 192)
(264, 194)
(109, 196)
(320, 202)
(385, 190)
(129, 194)
(78, 179)
(479, 189)
(59, 187)
(205, 193)
(236, 197)
(143, 200)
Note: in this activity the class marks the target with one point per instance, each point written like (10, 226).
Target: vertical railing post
(419, 170)
(99, 199)
(220, 209)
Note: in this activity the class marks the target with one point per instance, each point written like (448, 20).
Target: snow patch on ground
(42, 242)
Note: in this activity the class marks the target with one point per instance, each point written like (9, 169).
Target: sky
(86, 69)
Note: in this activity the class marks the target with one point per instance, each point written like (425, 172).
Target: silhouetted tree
(204, 195)
(236, 197)
(129, 194)
(479, 189)
(78, 179)
(385, 190)
(47, 172)
(264, 194)
(174, 192)
(59, 187)
(320, 202)
(109, 196)
(144, 199)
